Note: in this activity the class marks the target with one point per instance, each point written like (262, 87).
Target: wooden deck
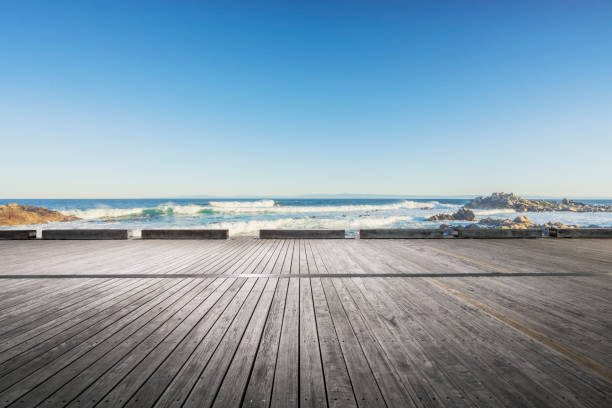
(308, 323)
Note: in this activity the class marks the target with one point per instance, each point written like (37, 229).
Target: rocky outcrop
(461, 215)
(512, 201)
(517, 223)
(15, 214)
(520, 222)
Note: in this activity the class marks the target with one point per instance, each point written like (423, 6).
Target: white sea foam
(95, 213)
(260, 206)
(249, 224)
(252, 227)
(165, 209)
(495, 211)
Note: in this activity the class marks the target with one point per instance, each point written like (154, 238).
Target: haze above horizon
(170, 99)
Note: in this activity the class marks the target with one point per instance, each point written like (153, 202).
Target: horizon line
(303, 196)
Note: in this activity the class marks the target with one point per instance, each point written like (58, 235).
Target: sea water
(248, 216)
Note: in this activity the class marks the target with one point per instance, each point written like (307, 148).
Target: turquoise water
(248, 216)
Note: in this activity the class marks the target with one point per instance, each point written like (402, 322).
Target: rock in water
(15, 214)
(520, 222)
(521, 219)
(461, 215)
(512, 201)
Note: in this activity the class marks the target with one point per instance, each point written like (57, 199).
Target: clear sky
(175, 98)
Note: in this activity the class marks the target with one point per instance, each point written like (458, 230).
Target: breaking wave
(252, 227)
(269, 206)
(260, 206)
(495, 211)
(139, 212)
(247, 217)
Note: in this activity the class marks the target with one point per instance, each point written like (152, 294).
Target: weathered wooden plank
(484, 233)
(234, 381)
(144, 385)
(140, 342)
(518, 379)
(142, 360)
(91, 306)
(295, 257)
(389, 381)
(401, 233)
(312, 383)
(285, 392)
(44, 382)
(337, 381)
(407, 361)
(540, 255)
(30, 355)
(394, 393)
(77, 255)
(184, 234)
(227, 262)
(188, 378)
(259, 388)
(301, 234)
(473, 372)
(212, 256)
(46, 303)
(146, 341)
(17, 234)
(85, 234)
(580, 326)
(15, 324)
(173, 381)
(261, 377)
(48, 255)
(29, 296)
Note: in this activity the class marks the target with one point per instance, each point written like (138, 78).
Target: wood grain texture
(299, 322)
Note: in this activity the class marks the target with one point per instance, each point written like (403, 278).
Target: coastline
(247, 216)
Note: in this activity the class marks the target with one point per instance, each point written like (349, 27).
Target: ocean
(248, 216)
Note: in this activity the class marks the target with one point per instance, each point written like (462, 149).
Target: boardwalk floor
(306, 323)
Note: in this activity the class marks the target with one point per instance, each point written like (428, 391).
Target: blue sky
(142, 99)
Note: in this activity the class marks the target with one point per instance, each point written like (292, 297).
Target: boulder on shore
(520, 222)
(461, 215)
(512, 201)
(15, 214)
